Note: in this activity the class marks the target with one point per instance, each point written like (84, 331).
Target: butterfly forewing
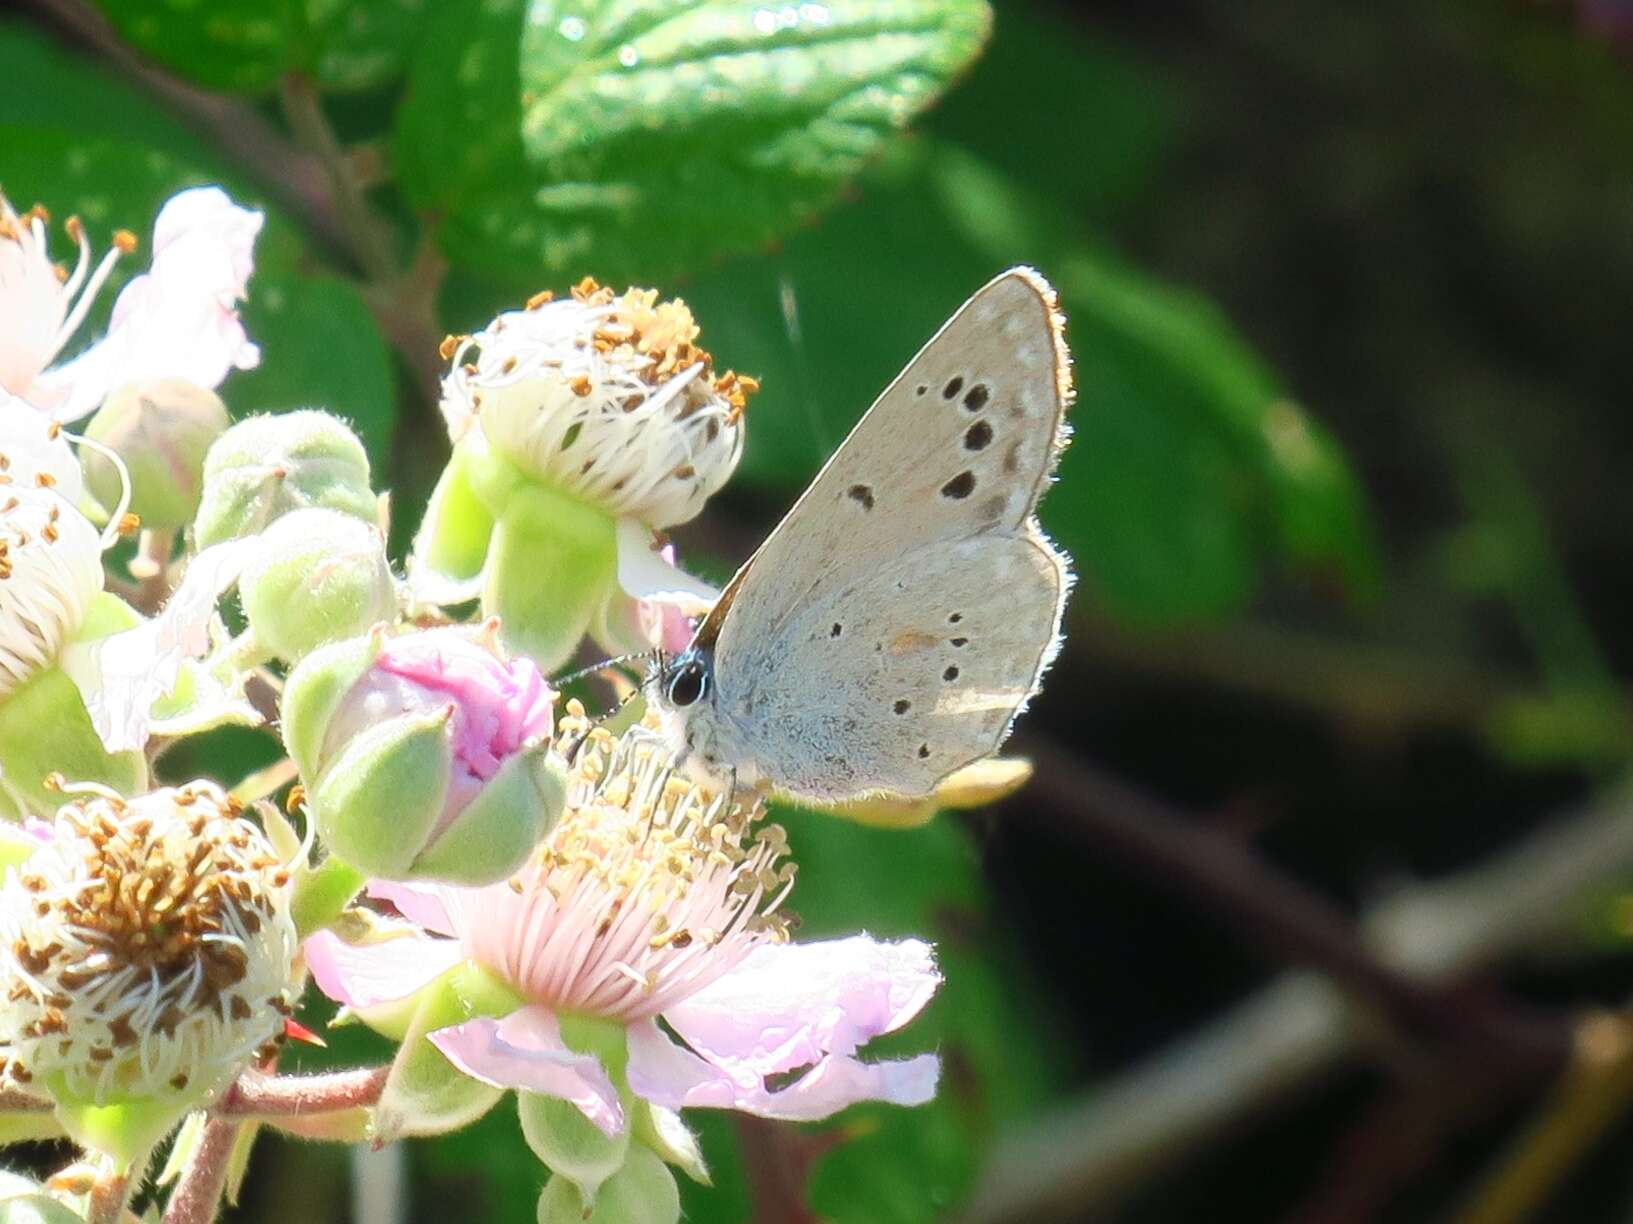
(891, 627)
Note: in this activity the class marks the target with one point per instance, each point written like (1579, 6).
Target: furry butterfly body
(891, 627)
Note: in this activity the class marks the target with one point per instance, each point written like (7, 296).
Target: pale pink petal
(790, 1005)
(363, 975)
(122, 676)
(670, 1075)
(426, 904)
(647, 571)
(525, 1050)
(180, 319)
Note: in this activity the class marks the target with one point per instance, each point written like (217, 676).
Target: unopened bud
(162, 430)
(265, 467)
(318, 576)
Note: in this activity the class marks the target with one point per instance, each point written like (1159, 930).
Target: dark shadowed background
(1319, 907)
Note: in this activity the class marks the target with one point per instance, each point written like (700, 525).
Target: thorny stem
(198, 1192)
(275, 1096)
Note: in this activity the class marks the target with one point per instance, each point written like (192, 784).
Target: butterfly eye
(688, 684)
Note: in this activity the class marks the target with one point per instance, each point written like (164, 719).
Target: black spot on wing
(960, 486)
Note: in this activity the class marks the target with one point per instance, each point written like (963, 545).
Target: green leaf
(245, 45)
(47, 87)
(636, 141)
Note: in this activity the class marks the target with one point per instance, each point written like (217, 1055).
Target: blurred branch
(1597, 1091)
(1430, 935)
(296, 180)
(321, 186)
(1372, 687)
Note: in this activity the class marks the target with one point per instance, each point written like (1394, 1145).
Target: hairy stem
(198, 1192)
(273, 1096)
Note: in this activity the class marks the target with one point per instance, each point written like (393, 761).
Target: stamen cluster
(649, 888)
(609, 396)
(148, 947)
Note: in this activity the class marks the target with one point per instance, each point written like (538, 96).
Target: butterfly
(889, 630)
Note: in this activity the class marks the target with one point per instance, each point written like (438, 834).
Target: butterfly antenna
(571, 754)
(651, 656)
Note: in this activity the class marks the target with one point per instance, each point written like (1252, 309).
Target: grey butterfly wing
(925, 510)
(918, 668)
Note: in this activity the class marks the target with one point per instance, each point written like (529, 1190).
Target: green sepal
(45, 729)
(499, 828)
(36, 1208)
(266, 466)
(425, 1094)
(321, 893)
(642, 1192)
(378, 801)
(569, 1144)
(106, 614)
(667, 1134)
(126, 1131)
(454, 534)
(553, 562)
(315, 690)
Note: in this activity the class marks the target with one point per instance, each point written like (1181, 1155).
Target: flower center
(149, 945)
(648, 889)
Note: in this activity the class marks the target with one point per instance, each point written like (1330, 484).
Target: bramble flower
(178, 320)
(653, 897)
(149, 950)
(581, 427)
(426, 756)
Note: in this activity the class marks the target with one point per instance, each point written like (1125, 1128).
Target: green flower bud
(642, 1192)
(262, 468)
(319, 576)
(161, 430)
(426, 756)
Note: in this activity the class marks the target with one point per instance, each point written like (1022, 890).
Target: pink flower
(652, 898)
(179, 320)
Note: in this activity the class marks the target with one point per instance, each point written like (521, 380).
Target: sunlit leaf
(642, 140)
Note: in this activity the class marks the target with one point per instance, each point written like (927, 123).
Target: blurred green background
(1317, 908)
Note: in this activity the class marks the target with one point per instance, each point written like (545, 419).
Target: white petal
(123, 676)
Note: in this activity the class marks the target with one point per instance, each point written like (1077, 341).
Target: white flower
(606, 397)
(179, 320)
(50, 571)
(148, 947)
